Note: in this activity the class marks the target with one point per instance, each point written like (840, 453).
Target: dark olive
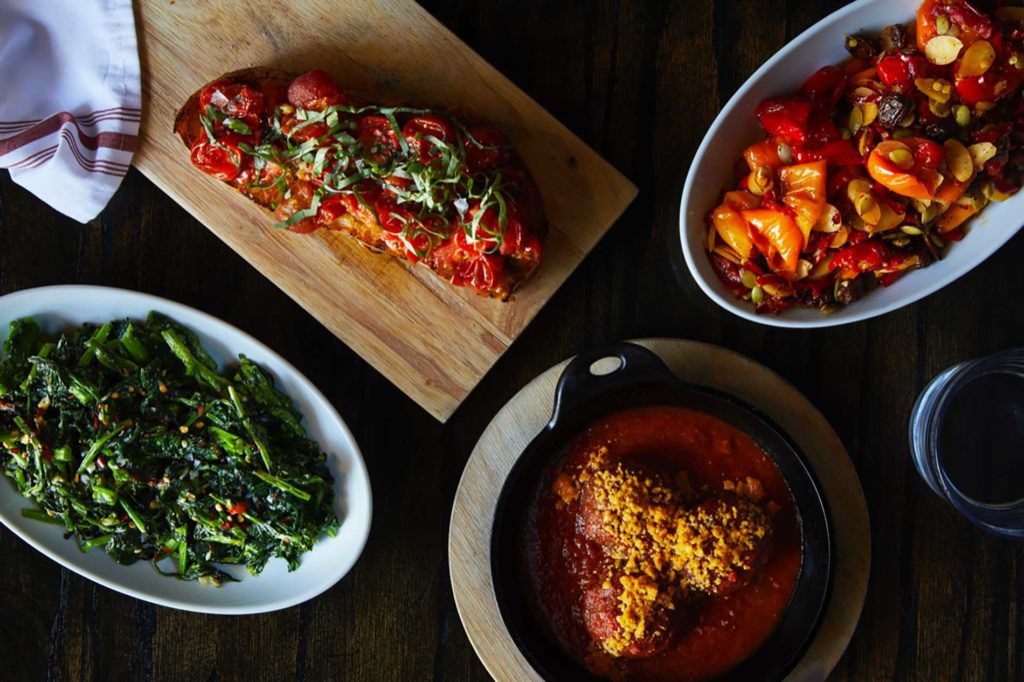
(860, 47)
(849, 290)
(894, 37)
(892, 109)
(942, 130)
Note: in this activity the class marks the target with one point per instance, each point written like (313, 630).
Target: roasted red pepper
(900, 70)
(786, 117)
(837, 153)
(866, 256)
(825, 87)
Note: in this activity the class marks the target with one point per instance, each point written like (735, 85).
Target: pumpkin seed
(940, 109)
(757, 295)
(942, 25)
(910, 229)
(856, 120)
(900, 242)
(962, 113)
(943, 49)
(902, 132)
(908, 120)
(870, 110)
(760, 181)
(748, 278)
(903, 158)
(785, 154)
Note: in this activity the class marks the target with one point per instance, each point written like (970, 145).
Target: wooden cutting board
(432, 340)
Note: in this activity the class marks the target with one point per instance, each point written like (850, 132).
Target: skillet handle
(579, 385)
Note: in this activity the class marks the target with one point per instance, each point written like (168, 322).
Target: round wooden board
(526, 414)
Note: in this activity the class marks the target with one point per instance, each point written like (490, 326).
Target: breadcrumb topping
(661, 549)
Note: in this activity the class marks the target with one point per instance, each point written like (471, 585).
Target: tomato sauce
(718, 632)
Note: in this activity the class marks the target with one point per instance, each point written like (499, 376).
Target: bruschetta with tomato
(416, 183)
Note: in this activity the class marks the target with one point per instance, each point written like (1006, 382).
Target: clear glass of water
(967, 440)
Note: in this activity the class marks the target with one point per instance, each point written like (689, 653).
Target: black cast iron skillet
(642, 379)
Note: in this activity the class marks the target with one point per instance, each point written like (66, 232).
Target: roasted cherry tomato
(331, 208)
(486, 147)
(298, 130)
(235, 100)
(301, 199)
(223, 160)
(314, 90)
(907, 166)
(472, 268)
(418, 131)
(489, 232)
(378, 137)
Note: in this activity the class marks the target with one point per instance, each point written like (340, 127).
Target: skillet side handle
(580, 386)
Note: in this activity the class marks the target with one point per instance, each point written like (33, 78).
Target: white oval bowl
(713, 171)
(275, 588)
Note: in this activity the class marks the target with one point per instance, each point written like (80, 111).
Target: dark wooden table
(639, 81)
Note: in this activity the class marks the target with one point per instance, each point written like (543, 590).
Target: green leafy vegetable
(128, 436)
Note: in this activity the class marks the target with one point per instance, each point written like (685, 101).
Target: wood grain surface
(639, 81)
(528, 412)
(433, 340)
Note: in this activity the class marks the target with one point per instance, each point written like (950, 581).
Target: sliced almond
(981, 153)
(942, 50)
(958, 160)
(977, 59)
(830, 220)
(839, 238)
(728, 254)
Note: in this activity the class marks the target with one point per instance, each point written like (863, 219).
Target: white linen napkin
(70, 99)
